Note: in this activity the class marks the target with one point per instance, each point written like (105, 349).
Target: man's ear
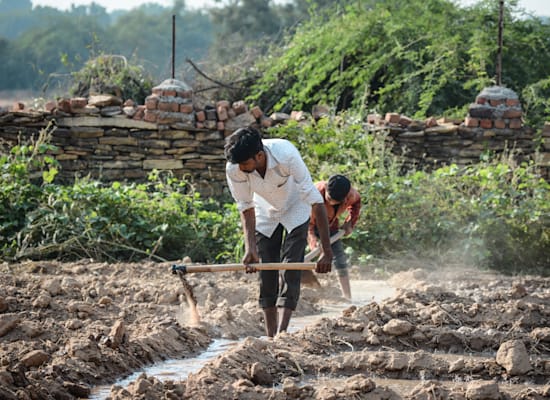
(260, 156)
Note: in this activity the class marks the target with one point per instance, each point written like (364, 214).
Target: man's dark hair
(338, 187)
(243, 144)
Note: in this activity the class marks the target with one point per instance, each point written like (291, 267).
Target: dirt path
(462, 335)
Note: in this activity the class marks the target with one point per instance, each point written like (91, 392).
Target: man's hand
(324, 264)
(248, 220)
(250, 258)
(346, 227)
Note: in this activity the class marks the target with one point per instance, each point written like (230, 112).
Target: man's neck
(263, 166)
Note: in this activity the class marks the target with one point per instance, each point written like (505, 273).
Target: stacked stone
(495, 107)
(105, 105)
(170, 103)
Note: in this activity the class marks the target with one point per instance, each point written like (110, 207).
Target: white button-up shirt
(285, 194)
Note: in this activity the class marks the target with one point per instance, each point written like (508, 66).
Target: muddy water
(175, 370)
(363, 292)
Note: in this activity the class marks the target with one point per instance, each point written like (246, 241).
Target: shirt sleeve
(298, 169)
(354, 207)
(239, 186)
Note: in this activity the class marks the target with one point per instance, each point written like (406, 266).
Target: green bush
(112, 74)
(494, 214)
(163, 218)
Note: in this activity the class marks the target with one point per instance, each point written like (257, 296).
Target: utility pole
(499, 51)
(174, 46)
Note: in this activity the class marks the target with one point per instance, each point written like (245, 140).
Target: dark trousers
(282, 246)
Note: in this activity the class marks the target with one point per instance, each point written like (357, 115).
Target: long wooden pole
(316, 251)
(240, 267)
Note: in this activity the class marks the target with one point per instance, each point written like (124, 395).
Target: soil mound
(444, 335)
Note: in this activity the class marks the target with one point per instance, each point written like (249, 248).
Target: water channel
(364, 291)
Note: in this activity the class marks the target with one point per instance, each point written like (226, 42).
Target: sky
(538, 7)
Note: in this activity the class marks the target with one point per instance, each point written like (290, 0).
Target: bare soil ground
(455, 334)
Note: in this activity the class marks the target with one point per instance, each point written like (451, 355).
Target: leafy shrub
(495, 214)
(22, 170)
(156, 219)
(112, 74)
(163, 218)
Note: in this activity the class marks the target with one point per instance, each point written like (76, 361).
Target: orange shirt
(351, 204)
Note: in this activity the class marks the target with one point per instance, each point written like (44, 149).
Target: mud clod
(445, 334)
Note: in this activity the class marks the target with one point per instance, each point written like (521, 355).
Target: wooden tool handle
(241, 267)
(316, 251)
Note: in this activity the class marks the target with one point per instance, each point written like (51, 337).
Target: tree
(8, 6)
(417, 57)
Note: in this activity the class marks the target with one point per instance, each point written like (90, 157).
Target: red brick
(512, 113)
(18, 106)
(199, 125)
(481, 100)
(471, 122)
(486, 123)
(169, 93)
(186, 108)
(431, 122)
(515, 123)
(500, 124)
(496, 102)
(405, 121)
(150, 116)
(221, 126)
(157, 91)
(512, 102)
(78, 102)
(50, 106)
(129, 103)
(170, 106)
(64, 105)
(393, 118)
(240, 107)
(222, 113)
(266, 122)
(257, 112)
(151, 102)
(201, 116)
(222, 104)
(186, 94)
(140, 112)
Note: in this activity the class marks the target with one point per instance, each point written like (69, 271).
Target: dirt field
(65, 328)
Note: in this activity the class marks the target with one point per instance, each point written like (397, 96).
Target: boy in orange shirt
(339, 198)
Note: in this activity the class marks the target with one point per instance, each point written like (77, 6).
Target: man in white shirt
(275, 195)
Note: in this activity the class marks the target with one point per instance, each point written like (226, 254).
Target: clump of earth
(66, 328)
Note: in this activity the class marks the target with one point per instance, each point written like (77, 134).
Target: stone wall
(110, 140)
(431, 143)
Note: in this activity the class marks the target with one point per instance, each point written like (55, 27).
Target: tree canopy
(418, 57)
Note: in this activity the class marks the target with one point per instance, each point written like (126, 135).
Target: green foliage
(494, 214)
(22, 171)
(126, 222)
(340, 145)
(419, 57)
(163, 218)
(112, 74)
(536, 102)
